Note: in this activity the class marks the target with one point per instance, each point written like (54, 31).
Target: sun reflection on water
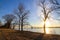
(47, 31)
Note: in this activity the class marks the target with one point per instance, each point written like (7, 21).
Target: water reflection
(47, 31)
(40, 30)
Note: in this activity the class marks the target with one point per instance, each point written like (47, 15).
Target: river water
(40, 30)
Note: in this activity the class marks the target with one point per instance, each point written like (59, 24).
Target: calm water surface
(40, 30)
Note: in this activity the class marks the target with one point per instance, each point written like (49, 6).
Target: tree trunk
(22, 24)
(13, 25)
(44, 28)
(8, 24)
(19, 24)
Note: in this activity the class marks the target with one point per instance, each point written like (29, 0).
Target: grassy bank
(9, 34)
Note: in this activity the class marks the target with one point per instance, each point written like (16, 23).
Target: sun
(47, 23)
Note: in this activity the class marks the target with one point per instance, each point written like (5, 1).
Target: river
(40, 30)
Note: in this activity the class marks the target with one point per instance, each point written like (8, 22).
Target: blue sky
(8, 6)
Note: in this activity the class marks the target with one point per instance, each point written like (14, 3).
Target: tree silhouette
(14, 23)
(22, 15)
(0, 23)
(47, 10)
(8, 18)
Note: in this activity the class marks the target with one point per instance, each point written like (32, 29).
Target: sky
(8, 6)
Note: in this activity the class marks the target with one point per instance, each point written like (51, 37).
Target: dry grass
(9, 34)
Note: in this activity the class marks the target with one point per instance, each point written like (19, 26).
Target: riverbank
(10, 34)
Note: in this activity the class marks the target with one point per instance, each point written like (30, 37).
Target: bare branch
(9, 18)
(54, 2)
(53, 9)
(22, 14)
(46, 11)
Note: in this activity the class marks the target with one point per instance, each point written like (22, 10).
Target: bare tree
(14, 23)
(8, 18)
(47, 10)
(0, 23)
(22, 15)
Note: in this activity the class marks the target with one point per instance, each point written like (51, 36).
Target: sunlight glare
(47, 23)
(47, 31)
